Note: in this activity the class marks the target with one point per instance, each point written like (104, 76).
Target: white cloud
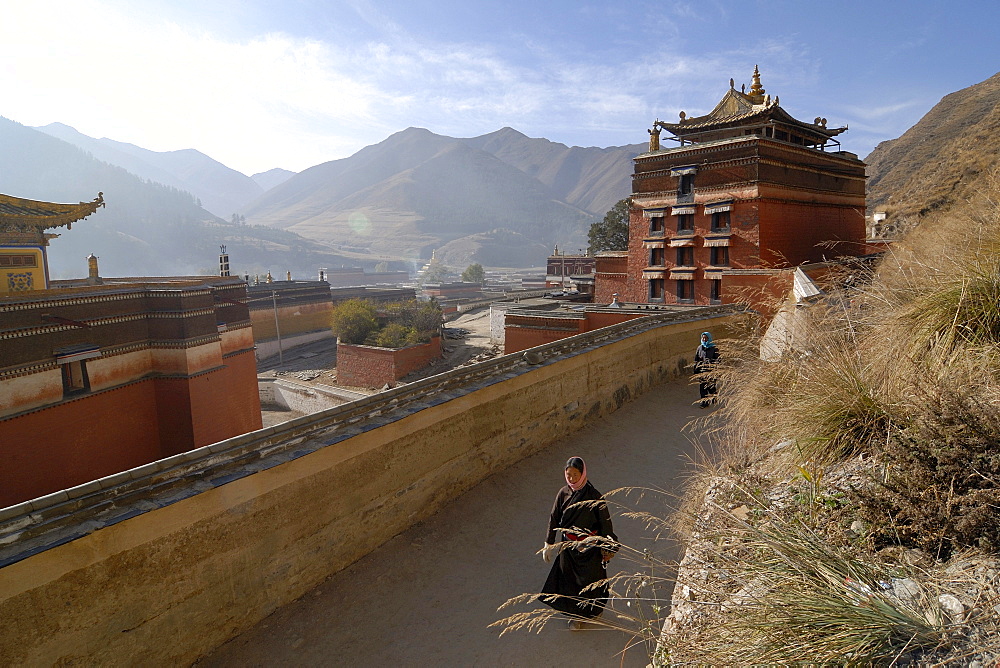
(280, 100)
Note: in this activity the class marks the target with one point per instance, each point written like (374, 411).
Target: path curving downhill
(426, 597)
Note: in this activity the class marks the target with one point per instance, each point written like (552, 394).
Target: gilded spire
(756, 90)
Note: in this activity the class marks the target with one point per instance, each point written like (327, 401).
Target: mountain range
(501, 199)
(146, 228)
(218, 189)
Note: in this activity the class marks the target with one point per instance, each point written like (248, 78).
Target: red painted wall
(537, 330)
(65, 445)
(68, 444)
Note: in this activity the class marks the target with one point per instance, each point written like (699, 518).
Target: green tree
(612, 232)
(353, 320)
(474, 273)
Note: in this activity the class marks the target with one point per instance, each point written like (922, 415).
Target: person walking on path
(580, 514)
(705, 358)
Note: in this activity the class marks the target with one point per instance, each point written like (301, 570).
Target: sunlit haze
(258, 84)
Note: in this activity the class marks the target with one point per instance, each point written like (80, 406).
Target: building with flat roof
(100, 375)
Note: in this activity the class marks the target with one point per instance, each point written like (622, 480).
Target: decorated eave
(739, 109)
(25, 215)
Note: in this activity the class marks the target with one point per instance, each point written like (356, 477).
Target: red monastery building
(746, 187)
(101, 375)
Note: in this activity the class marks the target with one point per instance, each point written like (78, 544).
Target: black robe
(576, 567)
(705, 360)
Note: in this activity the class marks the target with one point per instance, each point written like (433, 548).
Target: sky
(259, 84)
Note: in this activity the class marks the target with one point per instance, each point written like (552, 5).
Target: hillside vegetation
(853, 515)
(940, 161)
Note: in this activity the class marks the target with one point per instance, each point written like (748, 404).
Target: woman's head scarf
(579, 465)
(708, 343)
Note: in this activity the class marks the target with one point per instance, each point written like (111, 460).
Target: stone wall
(169, 560)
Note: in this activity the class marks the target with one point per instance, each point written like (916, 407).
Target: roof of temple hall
(754, 108)
(18, 214)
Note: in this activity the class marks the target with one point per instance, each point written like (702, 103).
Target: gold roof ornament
(757, 91)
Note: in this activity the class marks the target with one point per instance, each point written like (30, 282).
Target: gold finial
(756, 90)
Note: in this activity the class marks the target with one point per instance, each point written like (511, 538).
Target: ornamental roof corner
(23, 215)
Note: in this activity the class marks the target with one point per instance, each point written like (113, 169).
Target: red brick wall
(609, 278)
(368, 366)
(793, 231)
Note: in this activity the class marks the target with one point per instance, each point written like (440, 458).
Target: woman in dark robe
(581, 521)
(705, 358)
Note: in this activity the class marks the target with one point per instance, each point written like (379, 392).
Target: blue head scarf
(707, 344)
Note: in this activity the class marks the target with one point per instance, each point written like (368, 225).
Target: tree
(612, 232)
(382, 267)
(353, 320)
(474, 273)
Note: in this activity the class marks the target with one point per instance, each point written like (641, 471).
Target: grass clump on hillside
(876, 432)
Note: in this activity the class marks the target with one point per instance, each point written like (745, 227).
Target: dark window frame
(720, 217)
(685, 256)
(715, 252)
(656, 225)
(685, 291)
(685, 222)
(75, 383)
(656, 290)
(716, 291)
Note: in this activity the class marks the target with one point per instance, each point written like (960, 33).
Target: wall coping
(40, 524)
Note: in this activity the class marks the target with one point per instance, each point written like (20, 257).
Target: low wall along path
(170, 560)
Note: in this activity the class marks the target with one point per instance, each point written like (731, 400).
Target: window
(656, 290)
(685, 291)
(685, 256)
(74, 377)
(720, 221)
(716, 290)
(685, 186)
(657, 257)
(720, 256)
(685, 222)
(781, 134)
(656, 225)
(18, 261)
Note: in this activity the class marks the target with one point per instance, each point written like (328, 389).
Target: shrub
(395, 335)
(354, 320)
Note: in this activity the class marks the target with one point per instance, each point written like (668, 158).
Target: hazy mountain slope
(221, 190)
(145, 229)
(941, 159)
(592, 179)
(417, 191)
(271, 178)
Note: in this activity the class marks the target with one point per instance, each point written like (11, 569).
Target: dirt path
(426, 597)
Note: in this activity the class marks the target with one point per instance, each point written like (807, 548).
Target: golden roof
(739, 108)
(23, 215)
